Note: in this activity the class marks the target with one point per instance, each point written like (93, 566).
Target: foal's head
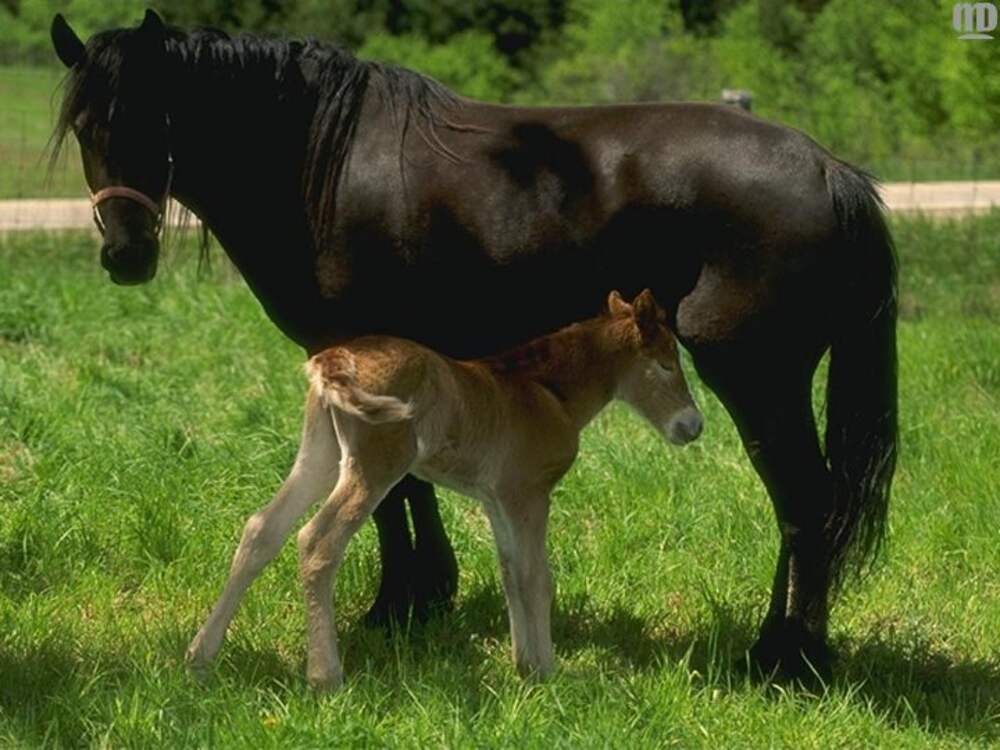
(654, 383)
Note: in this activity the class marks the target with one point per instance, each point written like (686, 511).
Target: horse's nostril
(111, 251)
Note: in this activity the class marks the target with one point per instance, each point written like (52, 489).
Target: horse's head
(113, 104)
(654, 383)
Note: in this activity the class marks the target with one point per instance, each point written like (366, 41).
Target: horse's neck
(250, 198)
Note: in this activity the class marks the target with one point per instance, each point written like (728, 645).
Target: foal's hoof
(790, 656)
(326, 681)
(198, 657)
(534, 673)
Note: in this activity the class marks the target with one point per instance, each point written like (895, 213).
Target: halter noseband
(121, 191)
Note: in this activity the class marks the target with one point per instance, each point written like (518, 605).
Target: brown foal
(503, 430)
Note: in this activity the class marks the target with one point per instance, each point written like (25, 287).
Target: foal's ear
(648, 315)
(68, 46)
(617, 306)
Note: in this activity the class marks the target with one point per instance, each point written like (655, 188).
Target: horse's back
(544, 210)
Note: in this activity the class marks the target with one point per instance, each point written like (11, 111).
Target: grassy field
(139, 427)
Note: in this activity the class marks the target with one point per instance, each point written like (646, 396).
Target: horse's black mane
(322, 76)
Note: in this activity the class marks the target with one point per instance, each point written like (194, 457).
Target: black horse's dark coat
(361, 198)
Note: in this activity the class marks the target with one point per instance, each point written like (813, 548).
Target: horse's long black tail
(861, 428)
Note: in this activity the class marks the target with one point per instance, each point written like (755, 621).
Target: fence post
(738, 98)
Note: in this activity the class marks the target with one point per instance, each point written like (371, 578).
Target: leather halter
(122, 191)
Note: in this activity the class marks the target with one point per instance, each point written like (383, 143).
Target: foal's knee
(258, 539)
(307, 541)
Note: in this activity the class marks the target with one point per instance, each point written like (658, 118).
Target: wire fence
(29, 102)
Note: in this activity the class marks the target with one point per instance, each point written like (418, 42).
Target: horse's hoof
(391, 609)
(791, 656)
(435, 586)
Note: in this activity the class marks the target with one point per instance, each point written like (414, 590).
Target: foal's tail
(335, 379)
(861, 401)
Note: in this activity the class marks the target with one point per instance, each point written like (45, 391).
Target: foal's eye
(668, 368)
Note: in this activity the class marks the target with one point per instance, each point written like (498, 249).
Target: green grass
(139, 427)
(29, 103)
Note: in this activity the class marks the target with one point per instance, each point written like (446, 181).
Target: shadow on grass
(32, 683)
(908, 685)
(918, 684)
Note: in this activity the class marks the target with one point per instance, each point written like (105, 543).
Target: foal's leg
(373, 461)
(519, 525)
(312, 476)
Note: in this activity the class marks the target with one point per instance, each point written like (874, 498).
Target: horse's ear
(152, 23)
(648, 315)
(68, 45)
(617, 306)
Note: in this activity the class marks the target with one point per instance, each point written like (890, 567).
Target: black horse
(362, 198)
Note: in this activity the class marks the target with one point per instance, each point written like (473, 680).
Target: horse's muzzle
(130, 263)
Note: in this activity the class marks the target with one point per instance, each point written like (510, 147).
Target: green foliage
(468, 63)
(24, 35)
(608, 55)
(882, 84)
(886, 85)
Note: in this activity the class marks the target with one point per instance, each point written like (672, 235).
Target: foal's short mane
(323, 77)
(561, 354)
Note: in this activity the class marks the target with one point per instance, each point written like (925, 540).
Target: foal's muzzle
(685, 426)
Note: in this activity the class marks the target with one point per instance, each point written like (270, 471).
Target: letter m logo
(974, 20)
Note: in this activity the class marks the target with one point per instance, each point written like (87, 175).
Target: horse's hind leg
(312, 477)
(778, 430)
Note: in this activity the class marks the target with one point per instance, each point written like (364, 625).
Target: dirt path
(934, 198)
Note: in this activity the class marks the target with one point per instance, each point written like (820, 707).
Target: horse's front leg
(420, 574)
(435, 568)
